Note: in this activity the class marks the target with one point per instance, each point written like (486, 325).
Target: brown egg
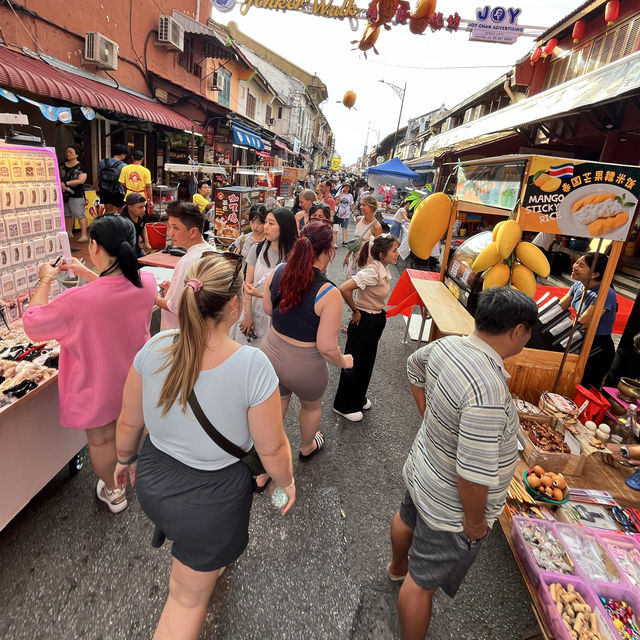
(534, 481)
(548, 492)
(538, 470)
(557, 495)
(560, 483)
(546, 481)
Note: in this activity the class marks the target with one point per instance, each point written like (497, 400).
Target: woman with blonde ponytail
(197, 494)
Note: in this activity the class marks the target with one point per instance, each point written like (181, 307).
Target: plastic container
(597, 407)
(558, 627)
(621, 594)
(157, 233)
(524, 548)
(628, 545)
(601, 567)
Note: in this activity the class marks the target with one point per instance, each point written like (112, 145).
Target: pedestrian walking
(280, 234)
(399, 217)
(322, 212)
(345, 206)
(366, 293)
(366, 226)
(185, 227)
(307, 198)
(135, 178)
(196, 492)
(305, 309)
(462, 460)
(110, 191)
(100, 327)
(73, 175)
(243, 243)
(135, 209)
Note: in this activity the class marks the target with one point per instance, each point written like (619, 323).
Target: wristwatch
(624, 452)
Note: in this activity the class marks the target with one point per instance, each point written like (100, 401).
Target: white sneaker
(116, 500)
(367, 405)
(83, 239)
(356, 416)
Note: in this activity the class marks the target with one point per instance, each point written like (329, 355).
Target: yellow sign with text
(335, 164)
(347, 9)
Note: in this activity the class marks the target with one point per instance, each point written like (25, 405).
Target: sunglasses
(320, 219)
(227, 255)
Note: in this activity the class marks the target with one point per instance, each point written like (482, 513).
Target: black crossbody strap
(225, 444)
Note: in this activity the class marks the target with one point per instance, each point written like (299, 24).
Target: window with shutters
(251, 106)
(267, 114)
(187, 59)
(225, 93)
(617, 43)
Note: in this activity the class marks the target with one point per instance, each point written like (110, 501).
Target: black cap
(201, 182)
(134, 198)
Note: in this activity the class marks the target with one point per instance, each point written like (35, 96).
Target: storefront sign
(583, 199)
(497, 24)
(327, 9)
(494, 185)
(336, 161)
(296, 145)
(227, 215)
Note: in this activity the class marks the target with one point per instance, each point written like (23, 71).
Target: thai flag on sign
(562, 170)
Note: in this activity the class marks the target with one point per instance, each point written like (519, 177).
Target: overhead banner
(335, 163)
(583, 199)
(496, 24)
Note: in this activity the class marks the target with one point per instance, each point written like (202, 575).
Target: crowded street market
(264, 375)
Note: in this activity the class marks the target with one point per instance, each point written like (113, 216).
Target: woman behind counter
(602, 350)
(100, 328)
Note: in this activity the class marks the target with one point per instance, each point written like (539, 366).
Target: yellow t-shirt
(201, 202)
(135, 178)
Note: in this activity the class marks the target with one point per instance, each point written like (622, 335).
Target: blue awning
(247, 137)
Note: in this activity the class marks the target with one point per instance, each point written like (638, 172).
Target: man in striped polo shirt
(463, 457)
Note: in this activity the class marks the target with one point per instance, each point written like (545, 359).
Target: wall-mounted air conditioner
(170, 33)
(101, 51)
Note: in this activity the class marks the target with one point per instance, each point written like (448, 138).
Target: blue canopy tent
(394, 167)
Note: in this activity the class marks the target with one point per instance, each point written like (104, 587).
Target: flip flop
(393, 577)
(319, 438)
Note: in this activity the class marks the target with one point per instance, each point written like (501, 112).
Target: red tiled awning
(306, 157)
(282, 146)
(21, 72)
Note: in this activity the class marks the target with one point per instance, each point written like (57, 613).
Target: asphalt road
(71, 569)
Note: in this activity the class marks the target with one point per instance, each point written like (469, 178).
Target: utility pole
(400, 92)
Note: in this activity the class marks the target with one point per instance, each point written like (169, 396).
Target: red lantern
(578, 30)
(611, 12)
(549, 47)
(535, 56)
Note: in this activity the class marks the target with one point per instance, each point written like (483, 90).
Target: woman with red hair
(305, 310)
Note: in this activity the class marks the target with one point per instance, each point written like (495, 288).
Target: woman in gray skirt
(198, 495)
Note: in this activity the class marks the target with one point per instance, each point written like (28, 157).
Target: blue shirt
(605, 326)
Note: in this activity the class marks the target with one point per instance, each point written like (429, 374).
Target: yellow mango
(508, 237)
(494, 235)
(497, 276)
(532, 257)
(541, 179)
(486, 258)
(603, 197)
(523, 279)
(552, 184)
(429, 223)
(598, 227)
(620, 219)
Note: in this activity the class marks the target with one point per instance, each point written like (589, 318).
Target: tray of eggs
(546, 486)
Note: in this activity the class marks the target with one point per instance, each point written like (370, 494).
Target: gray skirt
(204, 513)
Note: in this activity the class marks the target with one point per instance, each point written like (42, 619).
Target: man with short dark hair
(185, 226)
(463, 458)
(327, 198)
(135, 178)
(110, 190)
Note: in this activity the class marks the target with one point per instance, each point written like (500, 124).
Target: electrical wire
(10, 3)
(403, 66)
(133, 46)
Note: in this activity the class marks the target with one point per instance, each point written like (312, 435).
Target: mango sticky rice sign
(327, 9)
(583, 199)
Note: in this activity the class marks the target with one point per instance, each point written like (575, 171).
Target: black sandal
(319, 438)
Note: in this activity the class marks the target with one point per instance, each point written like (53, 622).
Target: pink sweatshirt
(100, 327)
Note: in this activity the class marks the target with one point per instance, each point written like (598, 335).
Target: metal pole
(395, 137)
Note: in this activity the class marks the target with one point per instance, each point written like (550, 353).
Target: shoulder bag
(250, 458)
(354, 244)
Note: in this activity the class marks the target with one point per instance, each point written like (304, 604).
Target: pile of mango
(507, 260)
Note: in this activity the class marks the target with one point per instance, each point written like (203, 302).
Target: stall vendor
(602, 350)
(629, 454)
(201, 198)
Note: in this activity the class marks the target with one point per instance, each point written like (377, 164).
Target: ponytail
(363, 256)
(376, 248)
(117, 236)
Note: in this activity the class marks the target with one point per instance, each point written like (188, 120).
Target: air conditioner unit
(100, 50)
(217, 81)
(271, 120)
(170, 33)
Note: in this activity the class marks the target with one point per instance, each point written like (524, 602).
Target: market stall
(33, 446)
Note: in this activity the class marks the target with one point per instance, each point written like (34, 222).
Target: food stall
(33, 445)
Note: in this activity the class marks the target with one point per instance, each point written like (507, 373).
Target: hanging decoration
(368, 39)
(611, 12)
(549, 47)
(8, 95)
(64, 115)
(535, 56)
(88, 113)
(578, 31)
(349, 99)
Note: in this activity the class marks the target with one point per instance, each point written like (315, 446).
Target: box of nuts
(546, 443)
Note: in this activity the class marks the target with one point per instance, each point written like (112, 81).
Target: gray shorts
(437, 559)
(74, 207)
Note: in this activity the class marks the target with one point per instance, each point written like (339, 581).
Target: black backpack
(108, 177)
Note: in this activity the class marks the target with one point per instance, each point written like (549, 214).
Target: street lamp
(400, 93)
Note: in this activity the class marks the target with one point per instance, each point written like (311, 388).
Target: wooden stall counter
(159, 259)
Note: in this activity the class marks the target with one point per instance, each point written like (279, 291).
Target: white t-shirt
(344, 202)
(544, 240)
(399, 217)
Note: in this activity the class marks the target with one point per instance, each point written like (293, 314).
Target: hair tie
(372, 239)
(311, 238)
(195, 284)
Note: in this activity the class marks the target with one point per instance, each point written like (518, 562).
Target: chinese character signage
(583, 199)
(227, 215)
(494, 185)
(496, 24)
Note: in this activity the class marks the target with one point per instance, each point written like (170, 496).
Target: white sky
(323, 46)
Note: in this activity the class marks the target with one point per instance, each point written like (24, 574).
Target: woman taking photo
(366, 226)
(96, 351)
(198, 495)
(366, 293)
(73, 175)
(307, 198)
(602, 350)
(305, 309)
(280, 234)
